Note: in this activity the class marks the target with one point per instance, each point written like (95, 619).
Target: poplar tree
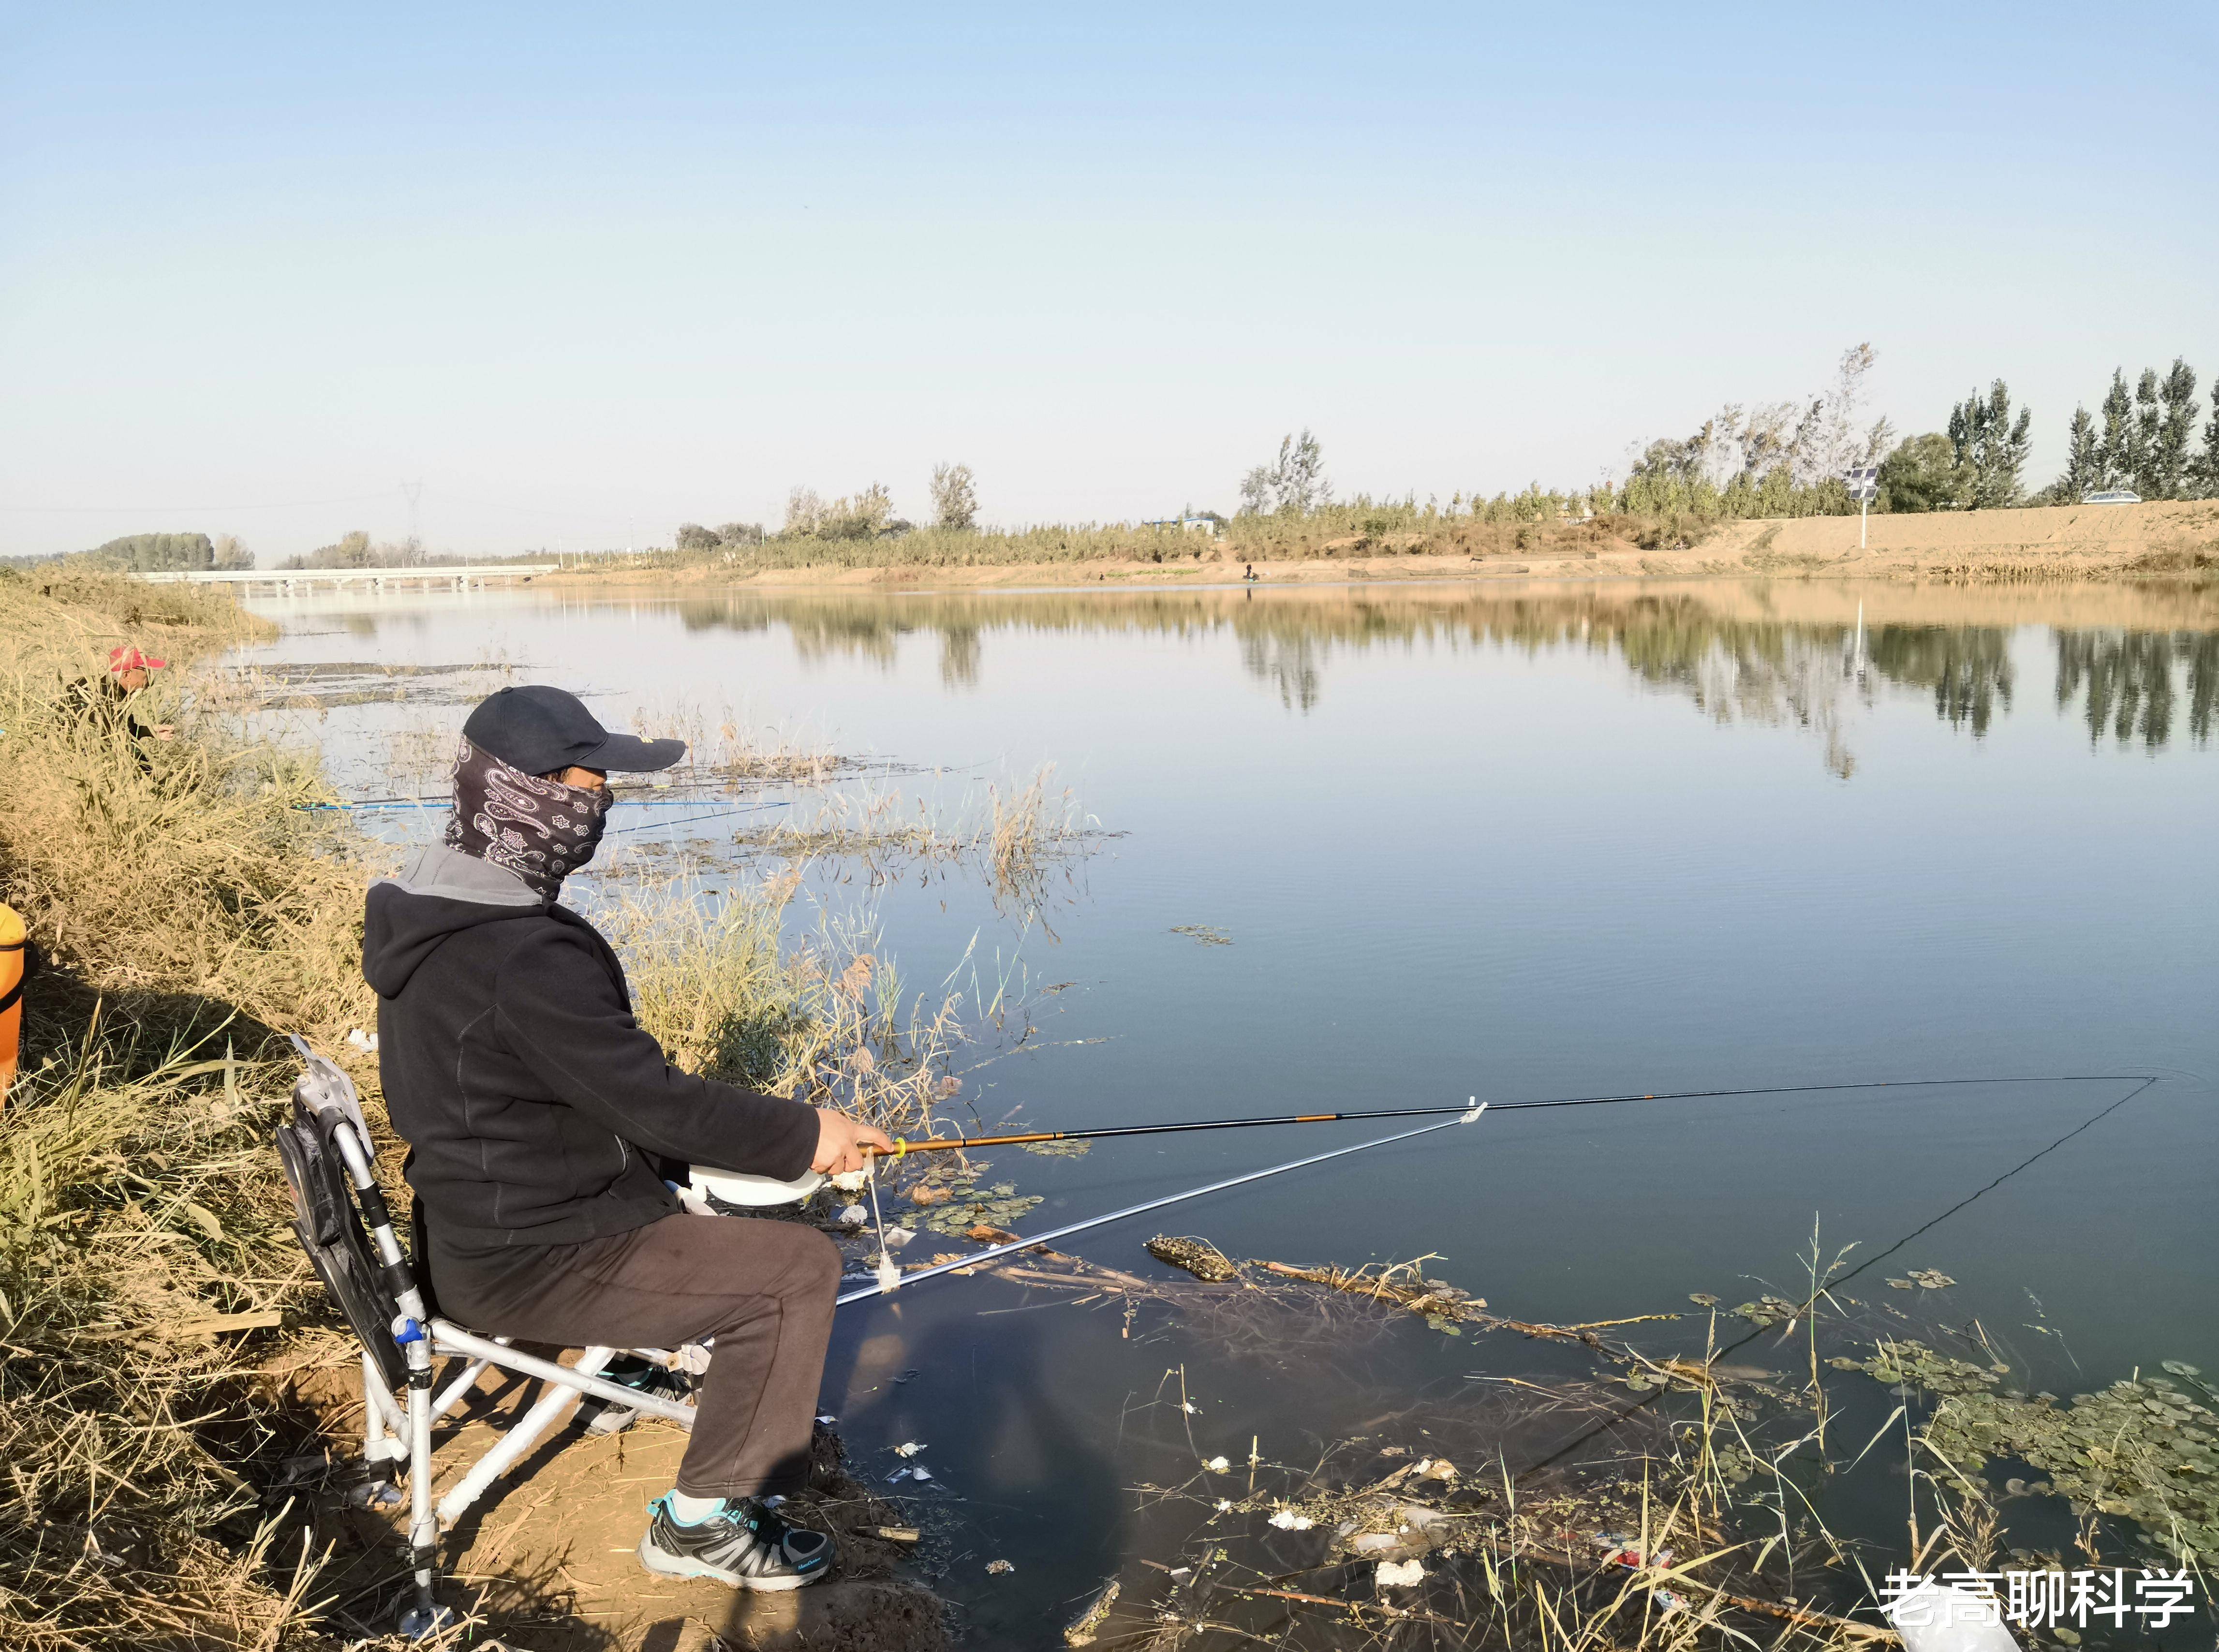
(1990, 447)
(1296, 486)
(2084, 460)
(2147, 421)
(2118, 431)
(955, 497)
(2206, 465)
(2176, 429)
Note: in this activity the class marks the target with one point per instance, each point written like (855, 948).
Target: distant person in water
(546, 1129)
(1247, 570)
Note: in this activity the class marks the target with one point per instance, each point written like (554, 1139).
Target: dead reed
(136, 1244)
(820, 1019)
(1014, 833)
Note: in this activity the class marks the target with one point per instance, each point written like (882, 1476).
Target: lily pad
(2133, 1451)
(1058, 1149)
(1702, 1299)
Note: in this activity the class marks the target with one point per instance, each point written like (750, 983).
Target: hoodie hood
(438, 892)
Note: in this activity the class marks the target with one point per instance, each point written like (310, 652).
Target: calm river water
(1506, 841)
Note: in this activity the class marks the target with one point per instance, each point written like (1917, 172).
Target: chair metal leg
(385, 1425)
(381, 1446)
(374, 1435)
(521, 1436)
(450, 1338)
(458, 1390)
(423, 1522)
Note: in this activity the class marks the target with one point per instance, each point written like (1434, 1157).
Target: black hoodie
(536, 1110)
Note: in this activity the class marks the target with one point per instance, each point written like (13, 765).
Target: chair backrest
(327, 1218)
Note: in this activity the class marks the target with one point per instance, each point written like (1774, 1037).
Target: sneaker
(742, 1545)
(606, 1416)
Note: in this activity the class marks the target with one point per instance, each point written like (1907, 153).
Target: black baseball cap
(540, 729)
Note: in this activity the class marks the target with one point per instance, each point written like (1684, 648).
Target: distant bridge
(290, 579)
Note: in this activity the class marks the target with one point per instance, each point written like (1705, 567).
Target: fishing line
(942, 1144)
(1655, 1395)
(693, 820)
(1467, 1115)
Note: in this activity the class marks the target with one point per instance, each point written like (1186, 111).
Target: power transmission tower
(412, 491)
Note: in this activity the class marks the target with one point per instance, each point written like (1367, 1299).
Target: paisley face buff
(541, 831)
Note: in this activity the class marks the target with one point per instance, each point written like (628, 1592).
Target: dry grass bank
(186, 909)
(162, 1335)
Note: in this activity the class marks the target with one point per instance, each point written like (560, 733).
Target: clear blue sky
(589, 272)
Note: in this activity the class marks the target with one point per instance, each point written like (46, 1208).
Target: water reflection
(1969, 668)
(1799, 654)
(2124, 680)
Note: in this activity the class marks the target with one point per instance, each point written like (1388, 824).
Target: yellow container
(13, 958)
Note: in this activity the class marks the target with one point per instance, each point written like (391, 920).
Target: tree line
(868, 514)
(1794, 458)
(154, 553)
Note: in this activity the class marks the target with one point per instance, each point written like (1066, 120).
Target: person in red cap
(111, 703)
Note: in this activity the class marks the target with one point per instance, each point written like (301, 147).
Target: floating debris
(999, 1568)
(1398, 1574)
(1217, 1465)
(1198, 1257)
(1088, 1624)
(1920, 1367)
(1288, 1520)
(1207, 934)
(1768, 1311)
(1924, 1279)
(1058, 1149)
(908, 1448)
(958, 1204)
(1702, 1299)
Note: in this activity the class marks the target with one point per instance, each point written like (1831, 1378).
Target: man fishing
(542, 1122)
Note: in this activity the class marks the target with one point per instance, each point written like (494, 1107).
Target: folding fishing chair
(326, 1152)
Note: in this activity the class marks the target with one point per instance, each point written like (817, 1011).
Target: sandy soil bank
(2079, 542)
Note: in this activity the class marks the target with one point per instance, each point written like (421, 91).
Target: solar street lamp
(1864, 482)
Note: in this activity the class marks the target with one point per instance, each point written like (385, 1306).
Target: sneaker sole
(611, 1421)
(678, 1566)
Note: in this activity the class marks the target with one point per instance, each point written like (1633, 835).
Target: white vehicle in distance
(2112, 496)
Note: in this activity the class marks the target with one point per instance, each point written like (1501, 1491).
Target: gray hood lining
(449, 874)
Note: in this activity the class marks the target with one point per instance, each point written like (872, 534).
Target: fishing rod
(942, 1144)
(889, 1280)
(368, 803)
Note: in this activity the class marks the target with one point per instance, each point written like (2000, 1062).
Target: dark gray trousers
(762, 1289)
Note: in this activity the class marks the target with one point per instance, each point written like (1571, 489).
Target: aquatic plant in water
(2143, 1449)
